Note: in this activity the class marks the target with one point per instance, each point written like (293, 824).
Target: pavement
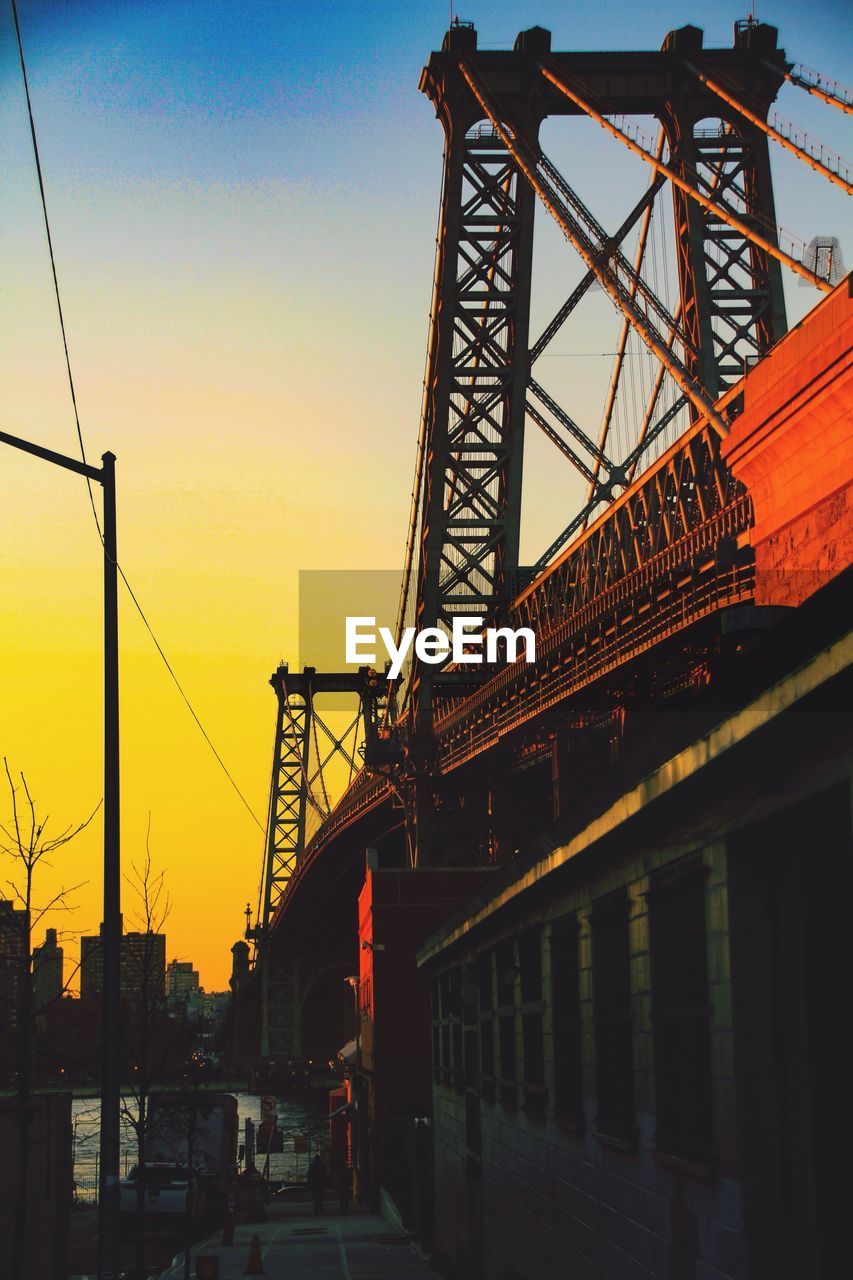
(295, 1245)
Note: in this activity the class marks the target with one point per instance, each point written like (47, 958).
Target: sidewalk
(298, 1246)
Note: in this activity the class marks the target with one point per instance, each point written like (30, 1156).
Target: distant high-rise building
(47, 971)
(91, 966)
(181, 984)
(12, 943)
(143, 966)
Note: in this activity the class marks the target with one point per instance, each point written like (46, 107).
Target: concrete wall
(580, 1204)
(557, 1200)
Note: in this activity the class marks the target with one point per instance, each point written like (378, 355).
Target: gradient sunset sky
(243, 199)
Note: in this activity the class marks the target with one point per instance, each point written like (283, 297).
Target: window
(455, 1015)
(611, 994)
(566, 1019)
(445, 1027)
(530, 973)
(486, 1008)
(470, 1028)
(681, 1013)
(473, 1134)
(505, 975)
(447, 1059)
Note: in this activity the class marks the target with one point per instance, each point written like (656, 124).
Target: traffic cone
(255, 1265)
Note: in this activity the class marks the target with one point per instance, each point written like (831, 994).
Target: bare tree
(26, 842)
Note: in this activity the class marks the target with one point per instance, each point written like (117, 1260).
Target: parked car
(167, 1188)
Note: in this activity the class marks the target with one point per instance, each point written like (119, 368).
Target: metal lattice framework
(662, 557)
(476, 390)
(288, 794)
(306, 751)
(480, 383)
(737, 283)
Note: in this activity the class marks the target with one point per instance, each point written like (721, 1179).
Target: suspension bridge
(656, 580)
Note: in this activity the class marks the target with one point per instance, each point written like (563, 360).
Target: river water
(303, 1115)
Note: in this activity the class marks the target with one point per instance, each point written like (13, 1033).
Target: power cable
(119, 569)
(52, 258)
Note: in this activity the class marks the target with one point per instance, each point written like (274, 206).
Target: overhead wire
(72, 388)
(60, 312)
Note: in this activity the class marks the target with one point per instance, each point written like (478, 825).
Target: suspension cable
(616, 374)
(834, 175)
(831, 91)
(574, 233)
(720, 210)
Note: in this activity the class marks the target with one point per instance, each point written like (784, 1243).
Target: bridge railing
(663, 556)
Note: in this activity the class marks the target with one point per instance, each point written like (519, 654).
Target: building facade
(12, 948)
(637, 1050)
(390, 1071)
(143, 967)
(635, 1058)
(182, 984)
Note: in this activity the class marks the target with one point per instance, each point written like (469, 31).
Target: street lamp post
(108, 1191)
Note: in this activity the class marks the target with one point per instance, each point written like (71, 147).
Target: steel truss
(641, 566)
(479, 385)
(665, 555)
(730, 307)
(305, 747)
(287, 977)
(476, 386)
(736, 278)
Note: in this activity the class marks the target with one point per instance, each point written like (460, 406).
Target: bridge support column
(291, 981)
(732, 303)
(282, 982)
(477, 373)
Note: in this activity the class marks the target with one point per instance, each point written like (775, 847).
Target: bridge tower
(480, 387)
(477, 371)
(312, 762)
(732, 302)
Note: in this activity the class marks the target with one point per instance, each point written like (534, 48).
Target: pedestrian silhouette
(317, 1182)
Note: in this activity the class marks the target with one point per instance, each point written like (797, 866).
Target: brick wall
(803, 556)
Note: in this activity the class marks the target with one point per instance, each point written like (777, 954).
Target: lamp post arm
(60, 459)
